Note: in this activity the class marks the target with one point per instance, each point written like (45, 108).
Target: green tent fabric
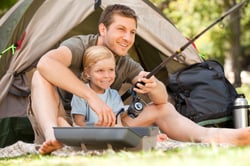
(12, 25)
(14, 129)
(39, 25)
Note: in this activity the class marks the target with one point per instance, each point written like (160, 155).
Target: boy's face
(120, 35)
(102, 75)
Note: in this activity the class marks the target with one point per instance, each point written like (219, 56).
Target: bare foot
(238, 137)
(162, 137)
(50, 146)
(241, 137)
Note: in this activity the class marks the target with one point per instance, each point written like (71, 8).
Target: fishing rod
(177, 52)
(130, 91)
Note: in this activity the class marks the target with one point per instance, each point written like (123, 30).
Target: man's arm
(154, 88)
(53, 66)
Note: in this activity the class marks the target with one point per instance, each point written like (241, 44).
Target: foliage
(246, 90)
(192, 16)
(5, 5)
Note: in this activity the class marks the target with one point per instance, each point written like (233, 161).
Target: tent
(32, 27)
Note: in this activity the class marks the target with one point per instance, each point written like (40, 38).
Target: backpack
(202, 93)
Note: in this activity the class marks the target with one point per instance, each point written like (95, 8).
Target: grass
(190, 155)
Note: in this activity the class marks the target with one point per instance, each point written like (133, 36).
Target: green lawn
(192, 156)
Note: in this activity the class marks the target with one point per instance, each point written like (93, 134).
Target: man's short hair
(117, 9)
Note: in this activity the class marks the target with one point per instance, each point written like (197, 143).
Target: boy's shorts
(39, 136)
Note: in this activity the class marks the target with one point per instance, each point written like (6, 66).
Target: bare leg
(181, 128)
(51, 145)
(45, 101)
(239, 137)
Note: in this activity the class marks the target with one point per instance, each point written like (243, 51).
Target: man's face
(120, 35)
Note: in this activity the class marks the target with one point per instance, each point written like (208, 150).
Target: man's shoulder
(127, 61)
(123, 59)
(85, 39)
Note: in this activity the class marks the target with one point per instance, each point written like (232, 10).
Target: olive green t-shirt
(126, 67)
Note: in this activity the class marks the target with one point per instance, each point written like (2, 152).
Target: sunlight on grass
(196, 155)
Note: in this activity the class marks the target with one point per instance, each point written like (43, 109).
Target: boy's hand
(105, 114)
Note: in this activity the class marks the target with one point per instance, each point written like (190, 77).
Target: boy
(98, 74)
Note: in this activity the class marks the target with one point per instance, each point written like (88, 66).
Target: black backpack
(202, 93)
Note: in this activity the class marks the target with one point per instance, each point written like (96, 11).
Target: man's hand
(145, 85)
(154, 88)
(105, 115)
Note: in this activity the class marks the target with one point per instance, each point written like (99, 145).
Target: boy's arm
(79, 120)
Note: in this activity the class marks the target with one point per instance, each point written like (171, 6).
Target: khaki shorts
(39, 136)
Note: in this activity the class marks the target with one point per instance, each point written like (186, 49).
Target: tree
(234, 39)
(5, 5)
(224, 42)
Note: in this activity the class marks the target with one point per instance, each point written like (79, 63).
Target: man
(60, 68)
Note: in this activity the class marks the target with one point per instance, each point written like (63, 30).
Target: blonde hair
(92, 55)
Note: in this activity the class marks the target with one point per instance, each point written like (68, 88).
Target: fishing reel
(136, 106)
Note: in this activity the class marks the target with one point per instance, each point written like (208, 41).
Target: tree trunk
(236, 47)
(235, 50)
